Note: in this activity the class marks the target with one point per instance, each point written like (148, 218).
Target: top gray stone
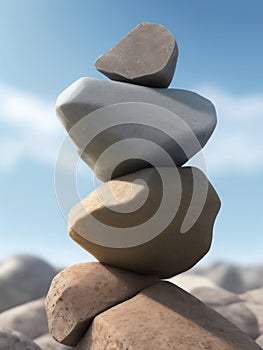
(145, 56)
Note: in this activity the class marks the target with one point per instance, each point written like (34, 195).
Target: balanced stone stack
(151, 219)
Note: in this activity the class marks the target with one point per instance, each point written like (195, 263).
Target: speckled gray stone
(145, 56)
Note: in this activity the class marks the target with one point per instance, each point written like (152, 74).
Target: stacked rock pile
(24, 281)
(151, 219)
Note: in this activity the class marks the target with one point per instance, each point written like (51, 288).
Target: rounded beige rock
(120, 228)
(81, 291)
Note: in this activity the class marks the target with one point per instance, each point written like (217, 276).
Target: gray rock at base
(231, 307)
(253, 296)
(23, 278)
(47, 342)
(160, 127)
(237, 279)
(29, 319)
(145, 56)
(215, 296)
(12, 340)
(254, 302)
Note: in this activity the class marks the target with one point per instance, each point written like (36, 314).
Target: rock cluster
(24, 282)
(152, 218)
(24, 326)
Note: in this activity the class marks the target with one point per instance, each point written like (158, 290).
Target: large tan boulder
(82, 291)
(146, 56)
(164, 317)
(155, 221)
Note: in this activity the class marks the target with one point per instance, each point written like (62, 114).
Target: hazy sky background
(45, 45)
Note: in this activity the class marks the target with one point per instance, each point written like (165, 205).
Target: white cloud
(237, 143)
(30, 129)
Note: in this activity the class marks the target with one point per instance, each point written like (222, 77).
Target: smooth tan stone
(145, 56)
(81, 291)
(164, 317)
(106, 224)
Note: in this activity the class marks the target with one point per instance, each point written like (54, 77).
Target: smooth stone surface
(237, 279)
(28, 319)
(82, 291)
(145, 56)
(164, 317)
(231, 307)
(12, 340)
(161, 250)
(215, 296)
(135, 125)
(254, 302)
(253, 296)
(190, 281)
(23, 278)
(46, 342)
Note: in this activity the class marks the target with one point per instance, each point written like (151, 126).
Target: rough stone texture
(167, 253)
(145, 56)
(148, 124)
(82, 291)
(28, 319)
(46, 342)
(260, 340)
(164, 317)
(231, 307)
(23, 278)
(12, 340)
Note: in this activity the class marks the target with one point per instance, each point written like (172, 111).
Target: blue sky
(47, 44)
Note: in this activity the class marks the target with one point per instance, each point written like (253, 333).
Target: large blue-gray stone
(153, 127)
